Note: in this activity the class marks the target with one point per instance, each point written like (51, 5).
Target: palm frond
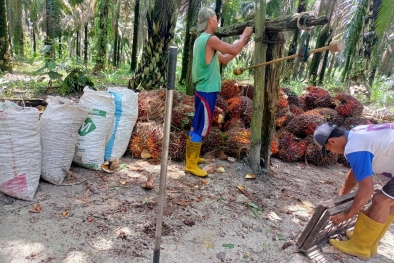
(274, 8)
(385, 17)
(353, 32)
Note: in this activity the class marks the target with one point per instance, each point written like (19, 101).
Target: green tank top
(205, 77)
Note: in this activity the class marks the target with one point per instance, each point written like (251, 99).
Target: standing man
(369, 150)
(208, 52)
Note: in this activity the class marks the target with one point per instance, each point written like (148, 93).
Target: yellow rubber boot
(366, 232)
(374, 247)
(192, 152)
(349, 233)
(199, 160)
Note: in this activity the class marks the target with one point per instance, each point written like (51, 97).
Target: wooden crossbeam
(287, 23)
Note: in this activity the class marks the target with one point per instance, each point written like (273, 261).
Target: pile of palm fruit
(230, 126)
(296, 119)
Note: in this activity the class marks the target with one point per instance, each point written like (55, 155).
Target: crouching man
(370, 150)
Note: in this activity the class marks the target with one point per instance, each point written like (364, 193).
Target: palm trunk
(78, 45)
(18, 38)
(289, 65)
(133, 65)
(151, 72)
(5, 55)
(86, 43)
(190, 87)
(271, 96)
(191, 21)
(60, 46)
(8, 11)
(260, 52)
(321, 41)
(115, 62)
(101, 45)
(34, 39)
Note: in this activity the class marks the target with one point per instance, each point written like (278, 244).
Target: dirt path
(103, 217)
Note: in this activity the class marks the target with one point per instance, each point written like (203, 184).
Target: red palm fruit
(352, 122)
(238, 142)
(214, 140)
(348, 106)
(292, 97)
(303, 125)
(296, 110)
(230, 89)
(177, 146)
(313, 97)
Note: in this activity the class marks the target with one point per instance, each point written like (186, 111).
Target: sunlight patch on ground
(123, 231)
(76, 257)
(102, 243)
(25, 250)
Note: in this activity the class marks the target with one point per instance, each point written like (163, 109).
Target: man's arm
(216, 44)
(350, 183)
(365, 191)
(226, 58)
(363, 194)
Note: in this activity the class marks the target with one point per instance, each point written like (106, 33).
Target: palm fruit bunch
(352, 122)
(314, 155)
(237, 106)
(274, 146)
(177, 146)
(182, 116)
(303, 125)
(230, 89)
(214, 140)
(292, 97)
(232, 124)
(136, 144)
(291, 148)
(283, 117)
(313, 112)
(218, 116)
(247, 115)
(296, 110)
(151, 105)
(330, 115)
(222, 104)
(238, 142)
(313, 97)
(342, 160)
(347, 106)
(283, 103)
(248, 91)
(188, 100)
(147, 136)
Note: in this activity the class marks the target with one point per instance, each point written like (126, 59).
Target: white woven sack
(59, 125)
(20, 155)
(126, 114)
(96, 130)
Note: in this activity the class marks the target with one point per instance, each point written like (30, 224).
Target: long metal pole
(164, 155)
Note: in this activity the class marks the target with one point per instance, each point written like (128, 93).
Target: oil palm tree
(5, 56)
(151, 71)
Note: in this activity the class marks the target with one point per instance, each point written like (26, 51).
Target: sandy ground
(100, 217)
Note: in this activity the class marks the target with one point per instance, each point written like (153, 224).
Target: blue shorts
(388, 189)
(204, 106)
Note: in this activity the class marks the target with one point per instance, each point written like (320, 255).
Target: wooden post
(259, 80)
(275, 50)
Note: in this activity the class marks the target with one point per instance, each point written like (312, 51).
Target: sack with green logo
(59, 125)
(126, 114)
(95, 132)
(20, 154)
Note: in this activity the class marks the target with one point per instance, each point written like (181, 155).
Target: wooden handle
(334, 46)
